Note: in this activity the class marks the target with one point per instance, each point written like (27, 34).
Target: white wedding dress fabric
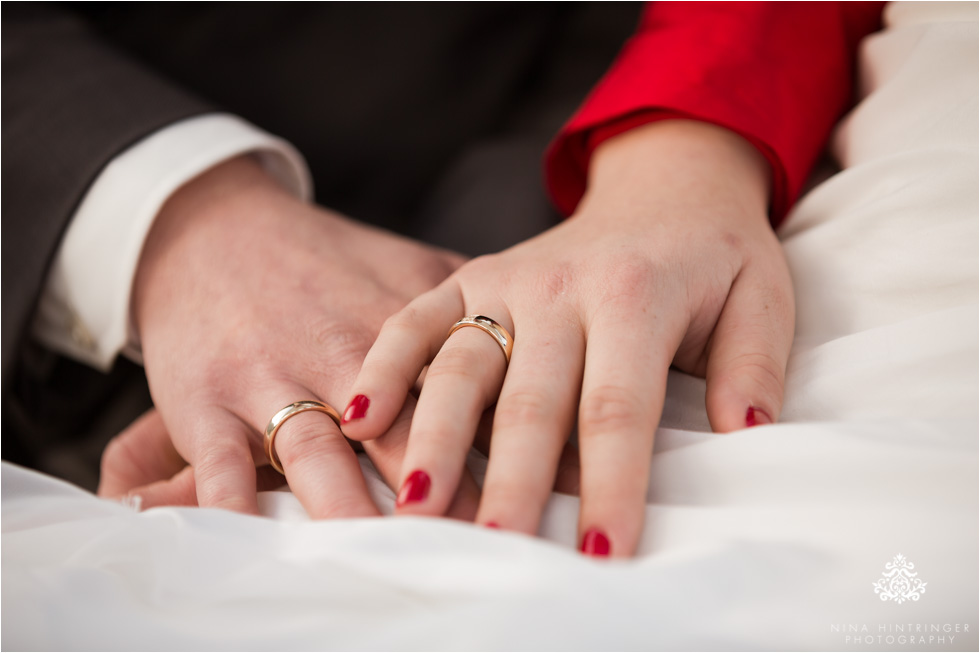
(853, 520)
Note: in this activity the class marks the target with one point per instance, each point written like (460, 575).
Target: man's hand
(247, 300)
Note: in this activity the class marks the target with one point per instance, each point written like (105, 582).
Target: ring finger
(321, 467)
(462, 381)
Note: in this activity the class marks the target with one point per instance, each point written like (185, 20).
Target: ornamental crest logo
(899, 583)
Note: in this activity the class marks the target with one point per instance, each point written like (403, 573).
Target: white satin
(769, 538)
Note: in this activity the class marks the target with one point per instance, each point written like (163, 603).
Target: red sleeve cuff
(777, 74)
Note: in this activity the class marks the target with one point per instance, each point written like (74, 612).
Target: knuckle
(629, 279)
(215, 462)
(633, 276)
(214, 466)
(556, 281)
(732, 241)
(340, 338)
(343, 346)
(609, 409)
(521, 408)
(761, 367)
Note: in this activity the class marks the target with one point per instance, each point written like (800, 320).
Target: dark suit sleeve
(70, 104)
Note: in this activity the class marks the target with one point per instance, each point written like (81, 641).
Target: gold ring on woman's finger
(492, 327)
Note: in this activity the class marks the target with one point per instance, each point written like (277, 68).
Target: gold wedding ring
(484, 323)
(280, 418)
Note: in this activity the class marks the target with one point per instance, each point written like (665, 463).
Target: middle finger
(533, 418)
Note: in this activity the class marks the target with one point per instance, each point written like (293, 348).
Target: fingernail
(492, 524)
(132, 501)
(415, 488)
(356, 409)
(595, 543)
(756, 417)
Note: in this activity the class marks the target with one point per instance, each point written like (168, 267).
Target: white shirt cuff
(84, 307)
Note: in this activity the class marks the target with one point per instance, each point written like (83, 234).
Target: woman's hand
(247, 300)
(670, 259)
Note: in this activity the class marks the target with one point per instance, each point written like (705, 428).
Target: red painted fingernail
(756, 417)
(492, 524)
(356, 409)
(415, 488)
(595, 543)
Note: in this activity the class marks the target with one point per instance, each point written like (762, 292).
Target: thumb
(749, 349)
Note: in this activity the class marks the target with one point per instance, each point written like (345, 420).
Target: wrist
(215, 193)
(197, 221)
(678, 161)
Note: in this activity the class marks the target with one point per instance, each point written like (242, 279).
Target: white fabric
(84, 308)
(768, 538)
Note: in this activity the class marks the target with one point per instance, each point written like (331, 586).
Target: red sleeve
(779, 74)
